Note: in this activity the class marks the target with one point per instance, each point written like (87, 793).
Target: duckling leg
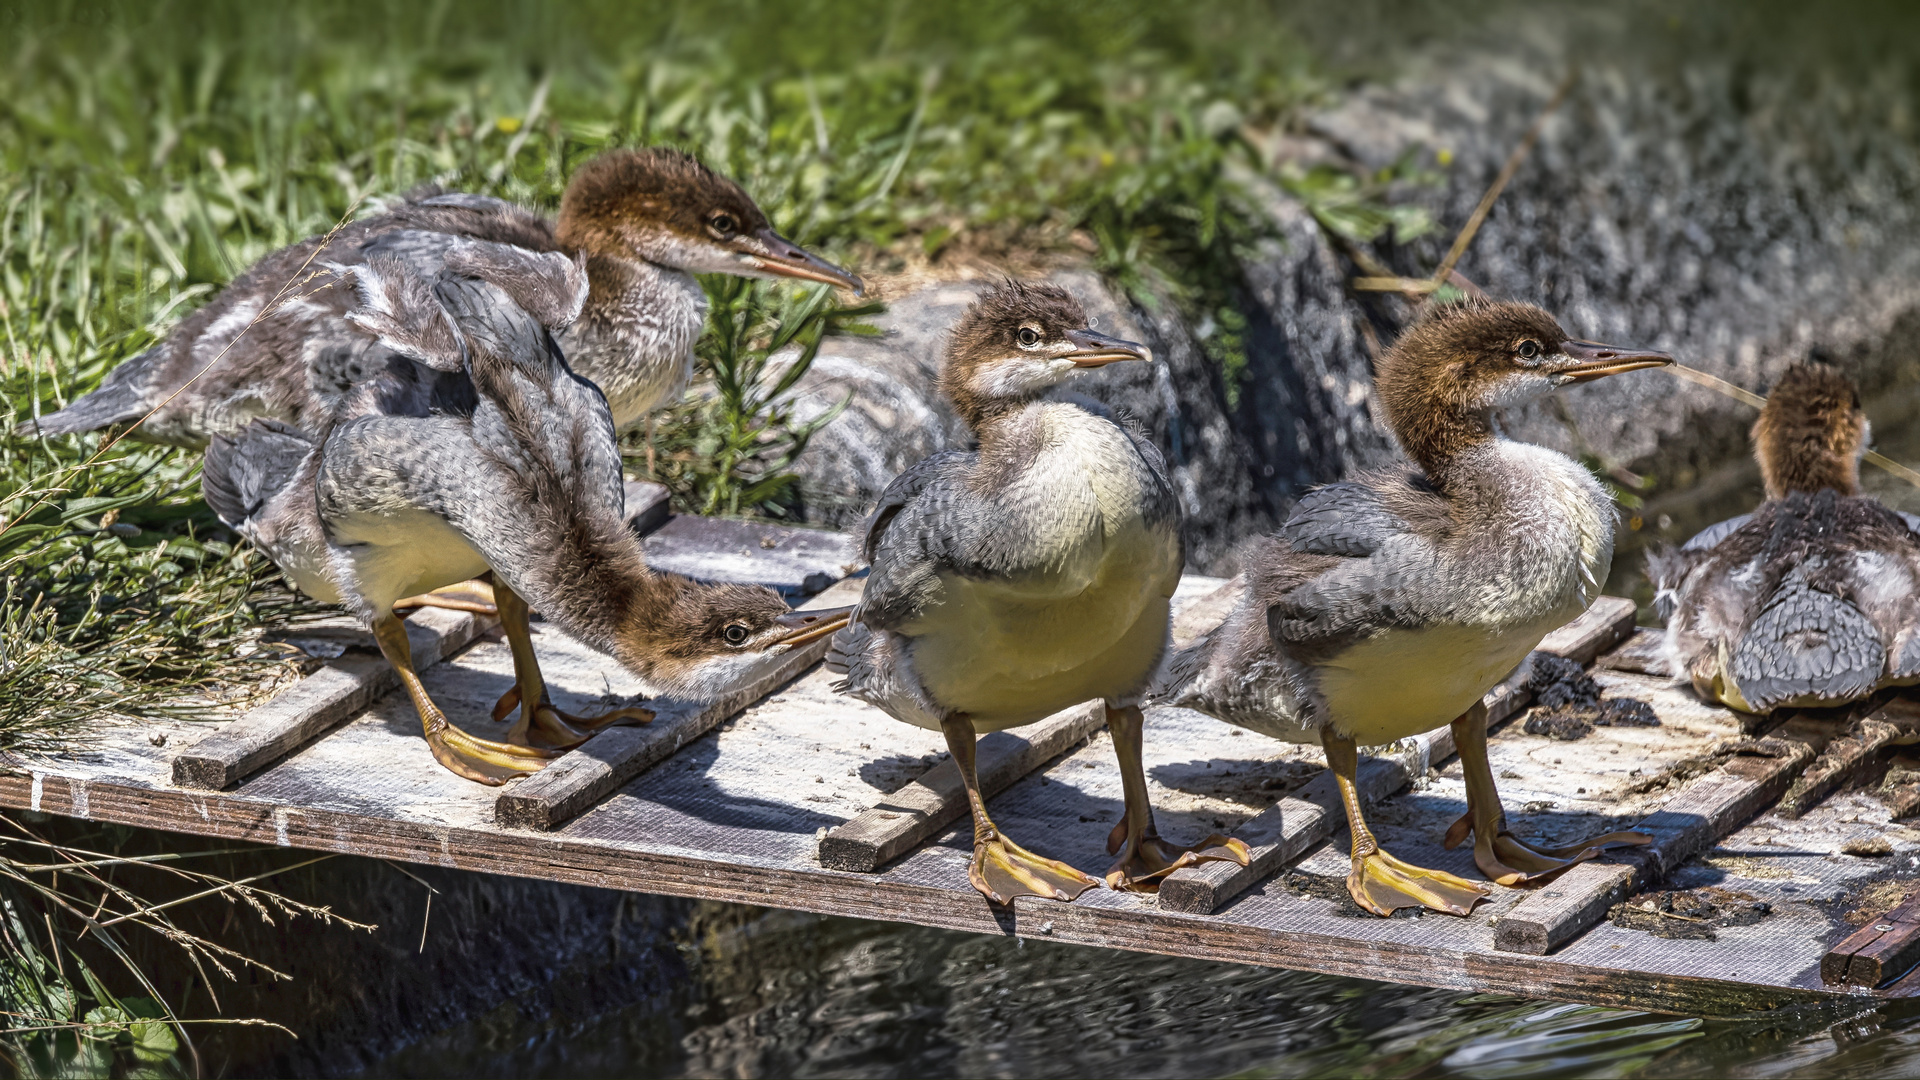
(1149, 858)
(1002, 869)
(475, 595)
(479, 760)
(542, 724)
(1379, 882)
(1499, 854)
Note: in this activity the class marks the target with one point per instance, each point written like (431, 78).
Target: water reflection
(771, 993)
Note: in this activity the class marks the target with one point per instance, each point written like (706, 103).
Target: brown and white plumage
(275, 344)
(1814, 598)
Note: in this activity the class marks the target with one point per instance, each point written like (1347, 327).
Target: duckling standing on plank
(1814, 598)
(645, 221)
(1391, 603)
(525, 482)
(1026, 576)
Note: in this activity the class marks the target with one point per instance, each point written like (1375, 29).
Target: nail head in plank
(648, 505)
(1704, 811)
(916, 812)
(1282, 832)
(1882, 949)
(318, 703)
(571, 785)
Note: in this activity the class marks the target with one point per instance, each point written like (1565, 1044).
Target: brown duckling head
(1016, 342)
(664, 206)
(1443, 379)
(1811, 433)
(695, 640)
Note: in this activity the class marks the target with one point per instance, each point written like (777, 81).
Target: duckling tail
(121, 399)
(1807, 647)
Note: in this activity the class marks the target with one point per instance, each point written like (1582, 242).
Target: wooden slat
(1643, 654)
(1704, 811)
(590, 773)
(1841, 760)
(937, 799)
(648, 505)
(320, 702)
(1883, 949)
(1284, 831)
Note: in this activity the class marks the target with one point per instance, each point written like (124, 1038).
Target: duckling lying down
(524, 482)
(1391, 603)
(1025, 577)
(1814, 598)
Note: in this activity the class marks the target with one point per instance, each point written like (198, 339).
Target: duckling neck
(1449, 447)
(634, 337)
(1785, 471)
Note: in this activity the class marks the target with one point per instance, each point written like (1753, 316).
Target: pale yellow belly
(1405, 682)
(1007, 660)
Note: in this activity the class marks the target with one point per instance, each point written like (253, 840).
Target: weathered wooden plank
(1707, 809)
(1841, 760)
(937, 799)
(590, 773)
(1881, 950)
(1643, 654)
(797, 562)
(1281, 833)
(648, 505)
(320, 702)
(1278, 836)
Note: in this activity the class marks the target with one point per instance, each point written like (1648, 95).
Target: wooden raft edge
(547, 857)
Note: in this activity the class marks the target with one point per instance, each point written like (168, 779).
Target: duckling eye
(735, 633)
(1529, 349)
(722, 225)
(1028, 337)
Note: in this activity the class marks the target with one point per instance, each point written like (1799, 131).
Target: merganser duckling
(1026, 576)
(1814, 598)
(525, 482)
(646, 221)
(1389, 604)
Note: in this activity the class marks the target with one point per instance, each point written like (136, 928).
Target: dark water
(780, 994)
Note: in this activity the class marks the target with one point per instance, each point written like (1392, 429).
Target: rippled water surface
(781, 994)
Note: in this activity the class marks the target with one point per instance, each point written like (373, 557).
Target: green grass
(148, 153)
(148, 156)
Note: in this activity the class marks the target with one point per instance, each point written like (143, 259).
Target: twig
(1740, 393)
(1512, 166)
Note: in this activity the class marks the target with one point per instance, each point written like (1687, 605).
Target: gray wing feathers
(920, 528)
(549, 285)
(243, 472)
(1711, 535)
(1807, 644)
(1345, 519)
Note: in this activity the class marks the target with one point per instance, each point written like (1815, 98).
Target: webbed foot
(475, 595)
(483, 760)
(1002, 870)
(550, 728)
(1509, 860)
(1149, 858)
(1383, 884)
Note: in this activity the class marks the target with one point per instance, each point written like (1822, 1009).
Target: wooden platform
(732, 801)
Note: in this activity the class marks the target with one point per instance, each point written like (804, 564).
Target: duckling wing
(924, 524)
(1711, 535)
(1348, 519)
(1353, 560)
